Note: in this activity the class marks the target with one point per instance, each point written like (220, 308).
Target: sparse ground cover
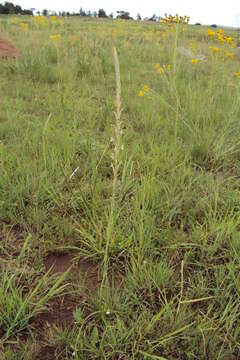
(119, 235)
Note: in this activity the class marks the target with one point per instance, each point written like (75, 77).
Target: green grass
(150, 196)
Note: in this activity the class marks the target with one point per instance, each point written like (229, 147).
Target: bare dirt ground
(7, 49)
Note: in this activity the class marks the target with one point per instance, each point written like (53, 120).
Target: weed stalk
(115, 167)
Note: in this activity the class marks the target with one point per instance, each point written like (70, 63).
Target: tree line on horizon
(9, 8)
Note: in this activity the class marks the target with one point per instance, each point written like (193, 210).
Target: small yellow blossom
(214, 48)
(211, 33)
(55, 37)
(229, 39)
(194, 61)
(160, 71)
(140, 93)
(156, 66)
(237, 74)
(145, 88)
(221, 39)
(24, 26)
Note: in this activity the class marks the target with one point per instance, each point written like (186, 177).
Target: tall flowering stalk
(115, 166)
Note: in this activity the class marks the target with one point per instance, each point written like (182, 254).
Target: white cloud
(204, 11)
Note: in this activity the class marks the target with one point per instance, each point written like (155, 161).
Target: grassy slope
(174, 233)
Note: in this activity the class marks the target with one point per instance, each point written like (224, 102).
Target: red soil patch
(83, 269)
(60, 314)
(47, 353)
(7, 49)
(59, 263)
(60, 311)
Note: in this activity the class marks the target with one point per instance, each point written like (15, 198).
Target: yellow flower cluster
(162, 69)
(55, 37)
(214, 49)
(40, 21)
(211, 33)
(144, 91)
(194, 61)
(169, 19)
(221, 37)
(56, 21)
(24, 26)
(14, 21)
(237, 74)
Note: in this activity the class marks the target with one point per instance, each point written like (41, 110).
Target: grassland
(119, 226)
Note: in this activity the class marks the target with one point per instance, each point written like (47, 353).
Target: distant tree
(198, 24)
(95, 14)
(82, 12)
(214, 25)
(89, 13)
(18, 9)
(124, 15)
(27, 12)
(153, 18)
(45, 12)
(102, 13)
(10, 8)
(139, 18)
(111, 15)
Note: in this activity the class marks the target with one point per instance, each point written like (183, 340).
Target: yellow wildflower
(157, 66)
(160, 71)
(214, 48)
(24, 26)
(55, 37)
(194, 61)
(140, 93)
(237, 74)
(211, 33)
(229, 39)
(221, 39)
(145, 88)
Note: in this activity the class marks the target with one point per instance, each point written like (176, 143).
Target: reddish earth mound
(7, 49)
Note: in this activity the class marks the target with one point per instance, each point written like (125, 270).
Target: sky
(204, 11)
